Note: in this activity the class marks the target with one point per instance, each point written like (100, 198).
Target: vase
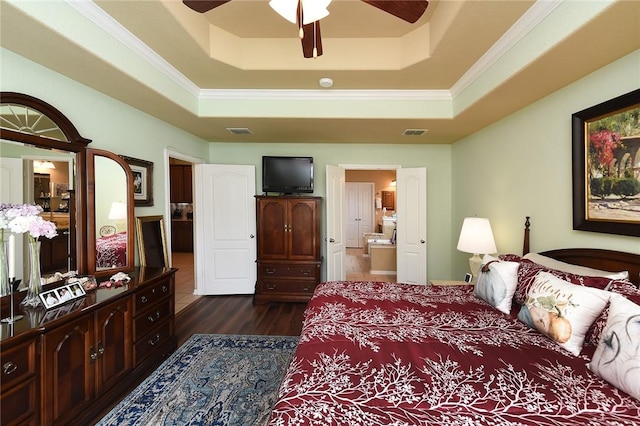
(34, 277)
(5, 286)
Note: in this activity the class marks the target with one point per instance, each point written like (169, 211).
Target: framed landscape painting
(606, 166)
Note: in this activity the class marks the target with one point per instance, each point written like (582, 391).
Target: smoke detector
(326, 82)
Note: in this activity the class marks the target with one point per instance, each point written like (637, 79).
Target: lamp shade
(118, 211)
(476, 236)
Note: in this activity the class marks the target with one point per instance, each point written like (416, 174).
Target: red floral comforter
(111, 250)
(395, 354)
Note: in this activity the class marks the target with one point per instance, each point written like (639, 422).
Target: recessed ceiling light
(326, 82)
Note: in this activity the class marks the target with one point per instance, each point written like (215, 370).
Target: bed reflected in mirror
(110, 222)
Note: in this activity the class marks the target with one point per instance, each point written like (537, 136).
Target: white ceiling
(241, 65)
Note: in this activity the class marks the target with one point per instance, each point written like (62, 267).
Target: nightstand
(448, 282)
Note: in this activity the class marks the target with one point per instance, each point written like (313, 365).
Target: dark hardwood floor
(238, 315)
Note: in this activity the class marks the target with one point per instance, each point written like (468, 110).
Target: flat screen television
(287, 175)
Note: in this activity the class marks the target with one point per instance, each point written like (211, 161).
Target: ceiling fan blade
(409, 11)
(311, 39)
(203, 6)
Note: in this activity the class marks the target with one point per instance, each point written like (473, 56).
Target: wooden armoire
(289, 259)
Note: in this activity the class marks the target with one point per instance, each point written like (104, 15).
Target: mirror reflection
(110, 214)
(45, 177)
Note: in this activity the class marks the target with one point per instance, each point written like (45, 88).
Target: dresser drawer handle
(9, 368)
(155, 340)
(165, 289)
(270, 271)
(306, 288)
(153, 318)
(271, 287)
(143, 299)
(306, 272)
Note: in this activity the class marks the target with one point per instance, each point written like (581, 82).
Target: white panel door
(225, 225)
(336, 233)
(411, 192)
(359, 211)
(11, 187)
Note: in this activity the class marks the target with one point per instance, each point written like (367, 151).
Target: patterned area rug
(210, 380)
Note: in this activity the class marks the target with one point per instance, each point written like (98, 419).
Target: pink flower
(21, 218)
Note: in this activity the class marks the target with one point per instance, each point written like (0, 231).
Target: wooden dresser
(288, 231)
(66, 365)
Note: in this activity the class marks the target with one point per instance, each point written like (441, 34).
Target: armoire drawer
(287, 286)
(267, 270)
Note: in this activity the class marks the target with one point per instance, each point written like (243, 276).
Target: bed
(374, 353)
(111, 250)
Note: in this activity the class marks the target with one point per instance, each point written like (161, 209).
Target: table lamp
(476, 237)
(118, 213)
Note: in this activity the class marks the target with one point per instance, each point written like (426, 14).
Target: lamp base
(475, 262)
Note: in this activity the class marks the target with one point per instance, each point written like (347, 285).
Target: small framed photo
(61, 295)
(142, 180)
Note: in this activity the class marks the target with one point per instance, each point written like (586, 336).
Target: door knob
(422, 241)
(331, 240)
(252, 236)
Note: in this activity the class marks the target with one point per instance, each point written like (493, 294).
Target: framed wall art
(606, 166)
(142, 180)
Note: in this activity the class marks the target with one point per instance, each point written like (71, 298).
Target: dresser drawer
(150, 319)
(287, 286)
(267, 270)
(18, 363)
(152, 295)
(149, 344)
(19, 404)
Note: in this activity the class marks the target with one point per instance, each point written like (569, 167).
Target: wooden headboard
(608, 260)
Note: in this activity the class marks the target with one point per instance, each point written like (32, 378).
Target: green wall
(110, 124)
(521, 166)
(435, 158)
(518, 166)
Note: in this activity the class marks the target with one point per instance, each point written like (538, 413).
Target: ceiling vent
(414, 132)
(240, 130)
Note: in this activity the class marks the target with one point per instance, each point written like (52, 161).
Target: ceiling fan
(407, 10)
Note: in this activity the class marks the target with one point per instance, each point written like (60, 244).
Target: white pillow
(498, 284)
(561, 310)
(617, 357)
(574, 269)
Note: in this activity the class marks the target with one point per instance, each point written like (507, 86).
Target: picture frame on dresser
(605, 142)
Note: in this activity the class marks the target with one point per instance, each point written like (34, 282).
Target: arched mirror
(42, 161)
(110, 213)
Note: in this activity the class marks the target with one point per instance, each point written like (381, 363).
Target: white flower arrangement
(25, 218)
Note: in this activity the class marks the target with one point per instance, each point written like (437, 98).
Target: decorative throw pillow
(528, 271)
(624, 287)
(561, 310)
(617, 357)
(497, 283)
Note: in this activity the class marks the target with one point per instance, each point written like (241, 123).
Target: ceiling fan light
(285, 8)
(314, 10)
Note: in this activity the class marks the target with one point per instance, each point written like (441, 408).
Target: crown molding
(527, 22)
(324, 94)
(531, 18)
